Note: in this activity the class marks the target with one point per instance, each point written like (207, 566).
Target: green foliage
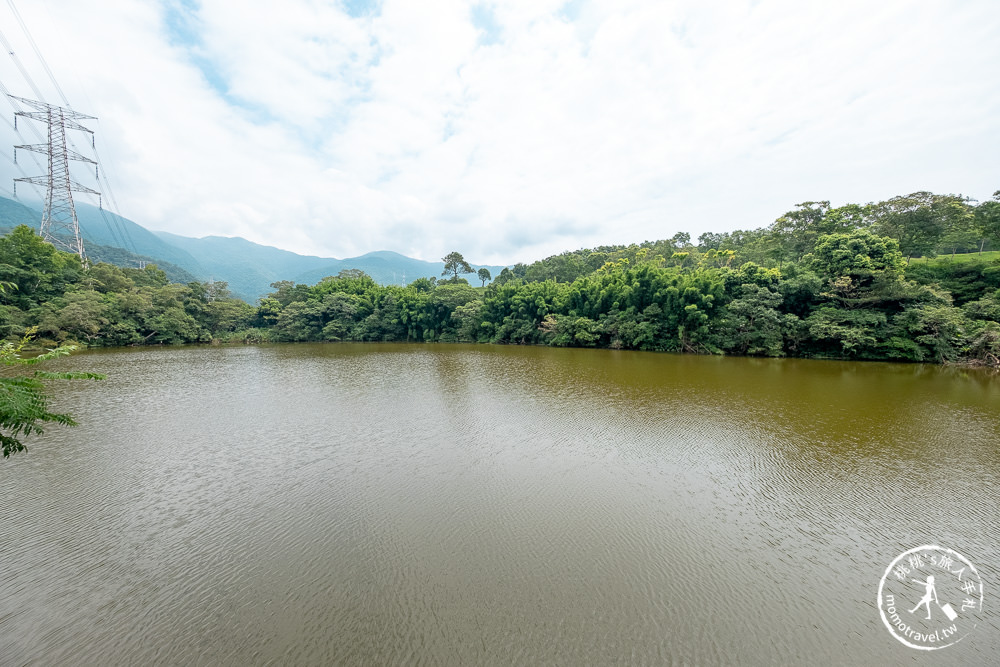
(820, 281)
(937, 332)
(454, 264)
(35, 268)
(23, 402)
(987, 220)
(752, 323)
(107, 305)
(846, 333)
(966, 281)
(859, 255)
(919, 221)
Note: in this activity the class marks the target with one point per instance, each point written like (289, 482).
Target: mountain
(101, 227)
(248, 267)
(106, 228)
(387, 267)
(13, 213)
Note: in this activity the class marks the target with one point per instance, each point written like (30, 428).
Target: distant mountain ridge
(249, 268)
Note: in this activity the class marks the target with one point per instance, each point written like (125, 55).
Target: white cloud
(558, 126)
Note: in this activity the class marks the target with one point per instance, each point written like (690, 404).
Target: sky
(508, 130)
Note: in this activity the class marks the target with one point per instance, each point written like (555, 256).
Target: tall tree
(454, 264)
(484, 275)
(795, 232)
(988, 220)
(918, 221)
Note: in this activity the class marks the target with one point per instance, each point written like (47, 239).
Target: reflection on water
(387, 504)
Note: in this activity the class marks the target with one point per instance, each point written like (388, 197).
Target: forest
(914, 278)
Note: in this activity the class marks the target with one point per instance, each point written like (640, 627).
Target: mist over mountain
(248, 267)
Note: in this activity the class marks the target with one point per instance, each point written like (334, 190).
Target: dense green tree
(484, 275)
(224, 315)
(962, 234)
(565, 267)
(752, 323)
(930, 331)
(918, 221)
(151, 276)
(988, 221)
(566, 330)
(860, 255)
(710, 241)
(681, 240)
(840, 332)
(340, 311)
(424, 284)
(467, 321)
(985, 309)
(505, 275)
(287, 291)
(455, 264)
(795, 233)
(965, 281)
(983, 344)
(36, 269)
(79, 316)
(107, 278)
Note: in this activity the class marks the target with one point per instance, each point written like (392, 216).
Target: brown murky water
(422, 504)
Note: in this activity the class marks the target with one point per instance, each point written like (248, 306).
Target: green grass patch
(988, 256)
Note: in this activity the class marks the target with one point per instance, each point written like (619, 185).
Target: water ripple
(388, 504)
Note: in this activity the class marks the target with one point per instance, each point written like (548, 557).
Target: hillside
(104, 228)
(14, 213)
(96, 230)
(248, 267)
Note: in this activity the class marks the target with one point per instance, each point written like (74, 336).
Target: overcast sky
(512, 129)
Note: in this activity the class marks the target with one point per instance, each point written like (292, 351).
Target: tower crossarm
(47, 116)
(60, 225)
(44, 149)
(44, 181)
(46, 108)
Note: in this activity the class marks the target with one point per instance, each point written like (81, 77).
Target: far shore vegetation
(914, 278)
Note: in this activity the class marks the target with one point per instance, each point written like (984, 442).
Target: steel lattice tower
(60, 226)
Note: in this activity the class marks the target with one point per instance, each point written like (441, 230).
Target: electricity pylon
(60, 226)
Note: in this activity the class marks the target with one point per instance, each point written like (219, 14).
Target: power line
(38, 53)
(59, 217)
(117, 224)
(20, 66)
(116, 228)
(16, 107)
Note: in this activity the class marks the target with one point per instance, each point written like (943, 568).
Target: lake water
(448, 504)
